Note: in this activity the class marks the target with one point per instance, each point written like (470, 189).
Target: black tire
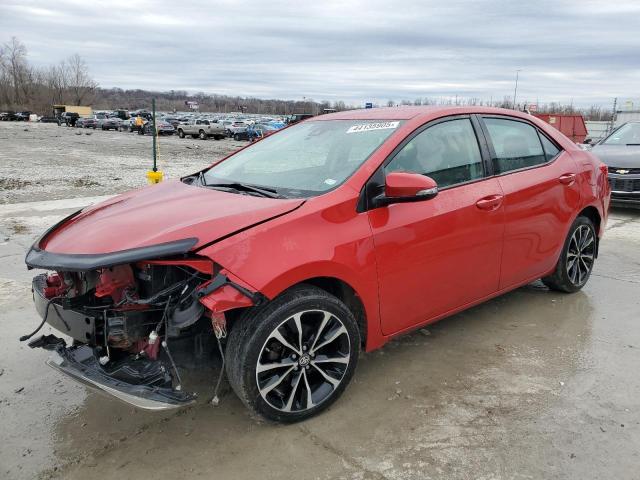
(180, 133)
(236, 137)
(203, 135)
(251, 342)
(577, 258)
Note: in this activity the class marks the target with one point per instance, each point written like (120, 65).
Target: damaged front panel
(124, 320)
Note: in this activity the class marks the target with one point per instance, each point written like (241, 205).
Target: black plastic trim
(37, 258)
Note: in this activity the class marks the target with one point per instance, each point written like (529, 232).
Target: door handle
(492, 202)
(567, 178)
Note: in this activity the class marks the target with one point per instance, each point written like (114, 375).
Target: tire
(180, 133)
(203, 135)
(236, 137)
(577, 258)
(329, 330)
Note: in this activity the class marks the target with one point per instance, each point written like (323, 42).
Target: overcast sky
(585, 51)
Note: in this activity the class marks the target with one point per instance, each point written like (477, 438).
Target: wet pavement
(533, 384)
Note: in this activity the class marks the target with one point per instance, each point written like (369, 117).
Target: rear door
(437, 255)
(541, 196)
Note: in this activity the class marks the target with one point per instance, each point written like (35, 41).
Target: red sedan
(293, 254)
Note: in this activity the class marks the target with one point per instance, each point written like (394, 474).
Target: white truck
(202, 129)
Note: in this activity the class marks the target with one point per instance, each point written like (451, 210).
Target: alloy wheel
(580, 255)
(303, 361)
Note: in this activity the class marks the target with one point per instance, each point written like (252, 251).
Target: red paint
(113, 281)
(400, 184)
(161, 213)
(410, 264)
(572, 126)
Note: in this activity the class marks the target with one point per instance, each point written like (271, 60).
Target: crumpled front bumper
(81, 364)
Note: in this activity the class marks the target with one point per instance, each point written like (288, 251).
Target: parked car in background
(236, 127)
(87, 122)
(292, 255)
(8, 116)
(68, 118)
(163, 128)
(23, 116)
(258, 131)
(48, 119)
(105, 122)
(202, 129)
(174, 121)
(621, 152)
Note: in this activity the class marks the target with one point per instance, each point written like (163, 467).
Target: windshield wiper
(245, 187)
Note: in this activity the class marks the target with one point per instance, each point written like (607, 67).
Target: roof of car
(409, 112)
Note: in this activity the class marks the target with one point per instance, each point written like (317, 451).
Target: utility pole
(515, 90)
(613, 116)
(154, 175)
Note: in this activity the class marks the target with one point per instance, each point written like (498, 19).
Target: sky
(585, 52)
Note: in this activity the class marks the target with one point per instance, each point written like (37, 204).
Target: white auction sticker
(365, 127)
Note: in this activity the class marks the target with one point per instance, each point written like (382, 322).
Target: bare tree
(81, 85)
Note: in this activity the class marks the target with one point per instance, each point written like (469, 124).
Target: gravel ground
(41, 161)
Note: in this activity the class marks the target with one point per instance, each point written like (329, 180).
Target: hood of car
(168, 212)
(623, 156)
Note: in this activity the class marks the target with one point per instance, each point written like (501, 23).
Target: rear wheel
(236, 137)
(294, 357)
(180, 133)
(203, 135)
(576, 261)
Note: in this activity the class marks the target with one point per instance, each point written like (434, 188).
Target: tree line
(36, 89)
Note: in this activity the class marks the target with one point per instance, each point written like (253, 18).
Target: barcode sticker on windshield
(365, 127)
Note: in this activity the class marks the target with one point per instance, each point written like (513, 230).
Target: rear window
(516, 145)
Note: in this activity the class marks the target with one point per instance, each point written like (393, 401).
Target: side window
(516, 144)
(550, 150)
(447, 152)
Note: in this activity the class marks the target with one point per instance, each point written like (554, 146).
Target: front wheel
(180, 133)
(203, 135)
(577, 258)
(294, 357)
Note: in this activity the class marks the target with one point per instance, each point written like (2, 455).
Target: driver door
(438, 255)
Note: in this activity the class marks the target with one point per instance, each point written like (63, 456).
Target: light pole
(515, 90)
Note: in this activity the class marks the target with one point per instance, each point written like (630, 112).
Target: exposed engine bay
(125, 322)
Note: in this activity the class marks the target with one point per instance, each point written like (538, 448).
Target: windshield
(307, 159)
(627, 134)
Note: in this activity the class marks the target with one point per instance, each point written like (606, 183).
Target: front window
(307, 159)
(448, 152)
(627, 134)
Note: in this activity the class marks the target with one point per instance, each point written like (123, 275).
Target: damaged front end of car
(127, 314)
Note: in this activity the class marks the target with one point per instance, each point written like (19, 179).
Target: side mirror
(588, 141)
(403, 187)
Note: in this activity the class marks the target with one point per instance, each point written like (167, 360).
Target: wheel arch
(347, 295)
(593, 214)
